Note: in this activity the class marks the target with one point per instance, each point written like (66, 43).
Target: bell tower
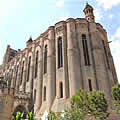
(88, 11)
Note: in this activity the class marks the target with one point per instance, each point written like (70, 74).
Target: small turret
(9, 55)
(88, 11)
(29, 41)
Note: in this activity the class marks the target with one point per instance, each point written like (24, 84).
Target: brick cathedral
(70, 55)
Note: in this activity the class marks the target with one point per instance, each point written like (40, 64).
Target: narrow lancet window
(106, 54)
(36, 64)
(22, 72)
(44, 93)
(34, 96)
(45, 60)
(60, 57)
(90, 85)
(85, 50)
(29, 68)
(61, 90)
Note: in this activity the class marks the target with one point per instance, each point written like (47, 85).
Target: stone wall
(6, 104)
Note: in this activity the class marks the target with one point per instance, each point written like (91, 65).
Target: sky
(20, 19)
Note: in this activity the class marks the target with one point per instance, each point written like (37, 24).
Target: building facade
(70, 55)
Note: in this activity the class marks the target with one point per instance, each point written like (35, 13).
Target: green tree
(97, 105)
(80, 100)
(79, 104)
(116, 97)
(93, 103)
(73, 114)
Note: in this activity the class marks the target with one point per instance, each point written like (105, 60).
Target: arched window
(60, 59)
(85, 50)
(44, 93)
(36, 64)
(90, 85)
(61, 90)
(28, 68)
(45, 60)
(22, 72)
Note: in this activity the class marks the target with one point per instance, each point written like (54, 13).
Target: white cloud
(98, 14)
(60, 3)
(107, 4)
(115, 48)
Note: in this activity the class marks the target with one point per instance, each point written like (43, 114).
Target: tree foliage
(97, 105)
(52, 116)
(68, 114)
(80, 100)
(116, 97)
(93, 103)
(73, 114)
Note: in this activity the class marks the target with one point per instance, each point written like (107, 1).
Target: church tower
(88, 11)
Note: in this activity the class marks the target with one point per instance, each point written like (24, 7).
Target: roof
(30, 40)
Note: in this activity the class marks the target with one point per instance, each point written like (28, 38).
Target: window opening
(60, 57)
(85, 50)
(36, 64)
(29, 68)
(90, 85)
(61, 90)
(45, 60)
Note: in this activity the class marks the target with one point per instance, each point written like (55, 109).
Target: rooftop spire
(86, 3)
(88, 11)
(30, 39)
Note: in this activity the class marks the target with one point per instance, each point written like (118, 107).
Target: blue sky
(20, 19)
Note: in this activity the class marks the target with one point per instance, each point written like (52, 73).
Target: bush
(116, 97)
